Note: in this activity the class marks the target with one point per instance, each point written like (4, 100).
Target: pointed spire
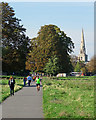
(82, 56)
(82, 39)
(82, 47)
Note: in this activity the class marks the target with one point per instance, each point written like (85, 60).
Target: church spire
(82, 46)
(82, 56)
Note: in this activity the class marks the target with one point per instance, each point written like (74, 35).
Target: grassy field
(5, 90)
(72, 98)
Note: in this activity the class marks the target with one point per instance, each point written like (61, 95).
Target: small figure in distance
(37, 83)
(24, 80)
(11, 83)
(29, 79)
(34, 77)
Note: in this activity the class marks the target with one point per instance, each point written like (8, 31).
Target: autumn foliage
(49, 42)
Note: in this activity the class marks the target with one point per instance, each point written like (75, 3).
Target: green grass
(8, 76)
(5, 90)
(68, 98)
(74, 78)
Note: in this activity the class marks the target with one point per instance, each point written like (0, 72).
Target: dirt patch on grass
(64, 114)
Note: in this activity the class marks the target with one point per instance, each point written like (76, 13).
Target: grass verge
(5, 90)
(68, 98)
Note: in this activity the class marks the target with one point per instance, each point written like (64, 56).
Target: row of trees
(48, 52)
(86, 68)
(51, 43)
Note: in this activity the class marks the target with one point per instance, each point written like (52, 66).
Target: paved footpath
(26, 103)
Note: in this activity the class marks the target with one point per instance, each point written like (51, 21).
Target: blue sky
(70, 17)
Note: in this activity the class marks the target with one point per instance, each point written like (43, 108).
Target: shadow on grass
(20, 84)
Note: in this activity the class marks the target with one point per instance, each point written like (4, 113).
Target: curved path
(26, 103)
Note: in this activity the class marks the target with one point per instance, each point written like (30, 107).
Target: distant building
(82, 55)
(61, 75)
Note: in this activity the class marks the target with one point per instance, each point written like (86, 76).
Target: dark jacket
(11, 83)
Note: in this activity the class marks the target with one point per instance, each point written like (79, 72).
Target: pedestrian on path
(24, 80)
(29, 79)
(34, 77)
(11, 83)
(38, 83)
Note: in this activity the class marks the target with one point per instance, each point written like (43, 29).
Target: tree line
(88, 68)
(48, 52)
(15, 44)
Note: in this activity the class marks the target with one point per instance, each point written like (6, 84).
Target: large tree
(52, 66)
(81, 67)
(49, 42)
(74, 60)
(14, 41)
(91, 66)
(77, 67)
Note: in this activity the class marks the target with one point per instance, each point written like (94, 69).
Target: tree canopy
(74, 60)
(81, 67)
(49, 42)
(91, 66)
(77, 67)
(52, 67)
(14, 41)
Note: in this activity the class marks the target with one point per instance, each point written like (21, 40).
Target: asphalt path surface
(26, 103)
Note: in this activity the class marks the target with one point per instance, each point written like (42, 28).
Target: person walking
(29, 79)
(37, 83)
(34, 77)
(24, 80)
(11, 83)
